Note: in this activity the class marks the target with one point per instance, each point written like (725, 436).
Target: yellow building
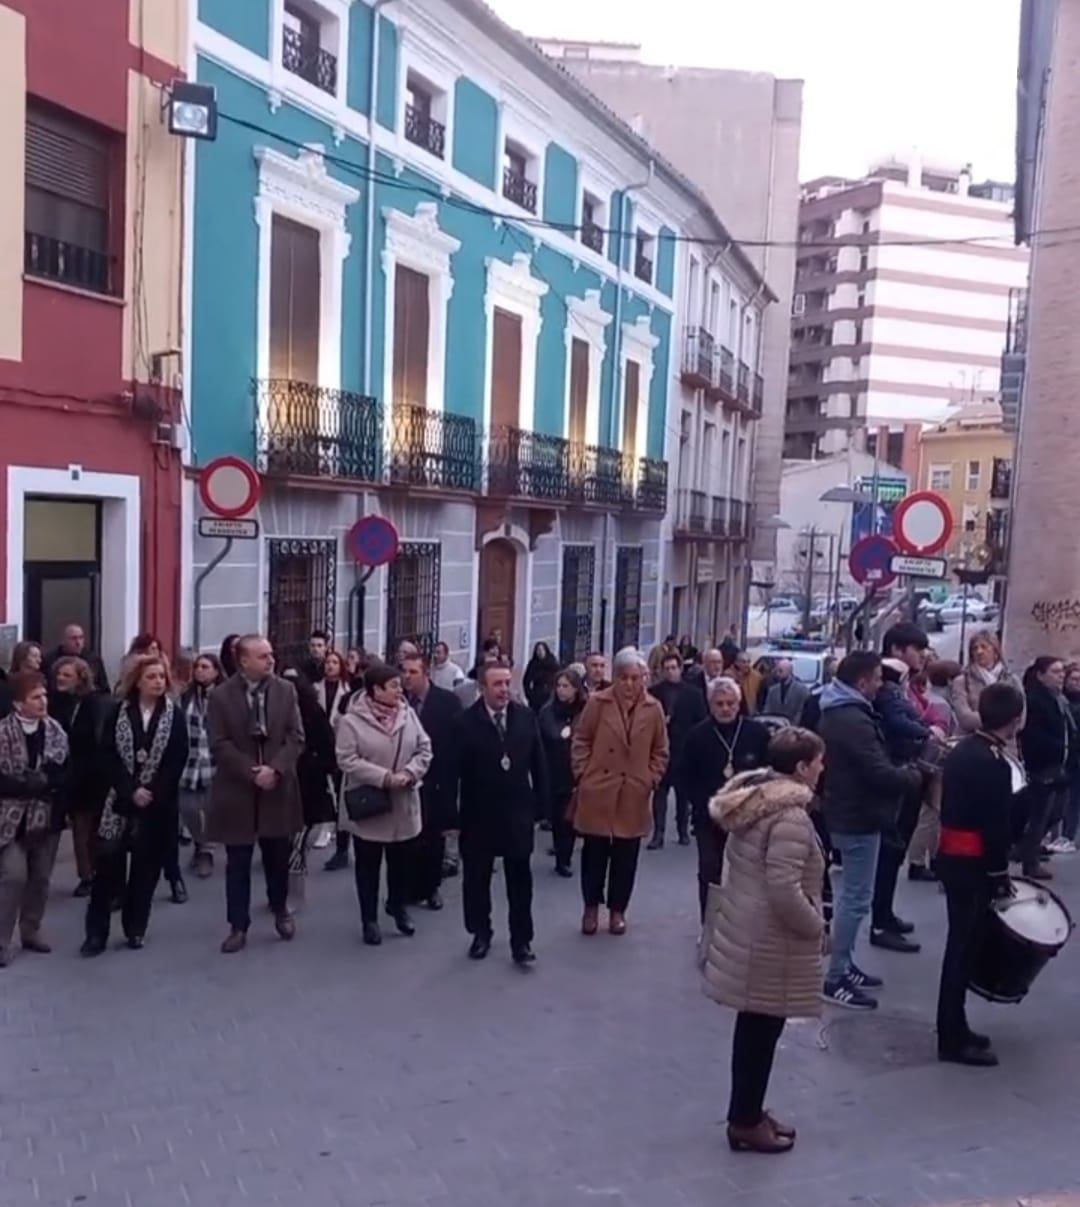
(957, 459)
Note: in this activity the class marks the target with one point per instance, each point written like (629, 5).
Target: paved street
(326, 1073)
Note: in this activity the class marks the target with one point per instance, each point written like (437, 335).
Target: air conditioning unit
(798, 304)
(171, 435)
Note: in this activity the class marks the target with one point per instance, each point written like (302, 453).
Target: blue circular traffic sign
(869, 561)
(373, 541)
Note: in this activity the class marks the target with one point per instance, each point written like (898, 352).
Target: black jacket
(700, 769)
(316, 767)
(538, 681)
(977, 796)
(904, 730)
(165, 786)
(1044, 740)
(684, 707)
(557, 719)
(85, 720)
(438, 793)
(499, 808)
(863, 786)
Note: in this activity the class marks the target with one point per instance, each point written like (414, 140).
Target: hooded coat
(764, 953)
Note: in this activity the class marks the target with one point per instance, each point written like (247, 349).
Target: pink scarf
(384, 714)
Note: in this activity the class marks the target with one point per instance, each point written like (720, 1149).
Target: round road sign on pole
(922, 523)
(373, 541)
(869, 561)
(229, 487)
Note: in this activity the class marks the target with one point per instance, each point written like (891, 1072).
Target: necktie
(500, 723)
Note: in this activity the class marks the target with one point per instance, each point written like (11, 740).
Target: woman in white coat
(382, 747)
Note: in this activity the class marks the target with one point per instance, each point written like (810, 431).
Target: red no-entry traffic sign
(869, 561)
(229, 487)
(922, 523)
(373, 541)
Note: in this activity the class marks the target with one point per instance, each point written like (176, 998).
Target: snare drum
(1018, 938)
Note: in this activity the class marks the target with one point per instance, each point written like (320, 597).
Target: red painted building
(91, 217)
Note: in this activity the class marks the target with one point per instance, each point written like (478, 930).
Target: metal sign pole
(207, 570)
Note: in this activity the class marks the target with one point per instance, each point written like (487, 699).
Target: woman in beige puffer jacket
(765, 941)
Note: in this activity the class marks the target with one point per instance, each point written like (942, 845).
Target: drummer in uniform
(973, 858)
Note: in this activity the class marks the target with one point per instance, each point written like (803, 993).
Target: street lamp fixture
(192, 110)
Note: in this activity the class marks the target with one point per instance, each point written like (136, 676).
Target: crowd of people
(895, 758)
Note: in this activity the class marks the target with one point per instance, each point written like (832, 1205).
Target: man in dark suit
(438, 711)
(683, 709)
(256, 737)
(503, 781)
(73, 645)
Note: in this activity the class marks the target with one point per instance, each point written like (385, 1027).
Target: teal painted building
(454, 316)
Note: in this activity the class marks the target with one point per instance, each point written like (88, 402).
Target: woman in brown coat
(619, 754)
(764, 949)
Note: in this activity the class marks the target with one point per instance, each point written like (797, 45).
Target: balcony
(423, 131)
(1001, 480)
(312, 432)
(742, 388)
(643, 267)
(724, 381)
(433, 449)
(758, 395)
(692, 513)
(57, 260)
(718, 519)
(592, 235)
(302, 54)
(738, 519)
(519, 189)
(550, 469)
(698, 359)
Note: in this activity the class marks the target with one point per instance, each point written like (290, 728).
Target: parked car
(978, 610)
(928, 616)
(807, 659)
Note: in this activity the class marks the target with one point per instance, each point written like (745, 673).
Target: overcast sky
(881, 75)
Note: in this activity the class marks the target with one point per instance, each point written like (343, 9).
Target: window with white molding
(940, 477)
(645, 255)
(312, 42)
(520, 174)
(425, 114)
(593, 221)
(586, 327)
(426, 82)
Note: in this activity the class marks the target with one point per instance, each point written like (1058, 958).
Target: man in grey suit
(785, 695)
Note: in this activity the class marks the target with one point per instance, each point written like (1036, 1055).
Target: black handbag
(366, 801)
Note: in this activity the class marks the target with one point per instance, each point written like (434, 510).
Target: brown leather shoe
(760, 1139)
(617, 923)
(285, 925)
(235, 941)
(37, 944)
(784, 1130)
(590, 920)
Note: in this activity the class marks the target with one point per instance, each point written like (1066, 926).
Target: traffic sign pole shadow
(200, 578)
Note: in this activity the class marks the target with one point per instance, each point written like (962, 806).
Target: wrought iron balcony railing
(725, 377)
(738, 516)
(592, 235)
(759, 392)
(519, 189)
(652, 486)
(718, 525)
(303, 56)
(433, 449)
(643, 267)
(698, 358)
(58, 260)
(316, 432)
(742, 391)
(423, 130)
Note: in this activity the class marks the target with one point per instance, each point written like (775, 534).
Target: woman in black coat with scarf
(538, 681)
(1045, 744)
(557, 720)
(147, 750)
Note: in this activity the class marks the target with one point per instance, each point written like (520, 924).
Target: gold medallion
(729, 771)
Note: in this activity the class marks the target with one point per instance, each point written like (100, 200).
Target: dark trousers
(752, 1051)
(660, 810)
(608, 869)
(1037, 812)
(84, 828)
(341, 842)
(128, 872)
(170, 865)
(400, 870)
(966, 901)
(427, 864)
(275, 860)
(894, 845)
(477, 865)
(710, 841)
(563, 834)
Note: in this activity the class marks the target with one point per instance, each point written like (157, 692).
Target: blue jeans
(859, 853)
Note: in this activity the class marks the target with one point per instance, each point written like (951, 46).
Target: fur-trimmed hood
(755, 795)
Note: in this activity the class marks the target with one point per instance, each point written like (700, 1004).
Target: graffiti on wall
(1056, 615)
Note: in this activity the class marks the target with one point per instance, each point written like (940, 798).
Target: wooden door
(294, 301)
(411, 333)
(498, 590)
(630, 408)
(504, 450)
(579, 392)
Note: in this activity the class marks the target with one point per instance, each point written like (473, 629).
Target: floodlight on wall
(192, 110)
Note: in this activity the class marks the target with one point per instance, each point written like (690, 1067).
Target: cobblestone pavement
(327, 1073)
